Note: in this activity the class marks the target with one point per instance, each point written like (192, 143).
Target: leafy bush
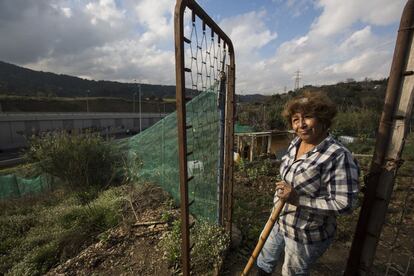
(85, 162)
(210, 242)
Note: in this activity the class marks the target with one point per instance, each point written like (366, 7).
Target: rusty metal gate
(205, 64)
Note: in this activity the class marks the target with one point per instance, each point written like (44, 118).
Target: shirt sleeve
(342, 188)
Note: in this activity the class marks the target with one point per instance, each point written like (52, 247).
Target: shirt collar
(296, 142)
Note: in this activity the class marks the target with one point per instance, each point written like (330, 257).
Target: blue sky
(126, 40)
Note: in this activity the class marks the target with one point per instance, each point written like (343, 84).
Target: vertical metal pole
(87, 101)
(384, 165)
(229, 143)
(133, 102)
(163, 147)
(140, 116)
(252, 147)
(182, 137)
(221, 107)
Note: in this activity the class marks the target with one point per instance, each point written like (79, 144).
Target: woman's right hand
(286, 192)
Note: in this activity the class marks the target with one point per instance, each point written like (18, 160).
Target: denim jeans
(298, 257)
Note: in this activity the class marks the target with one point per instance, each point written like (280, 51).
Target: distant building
(251, 145)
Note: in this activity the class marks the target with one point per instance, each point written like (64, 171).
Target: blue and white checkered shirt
(326, 181)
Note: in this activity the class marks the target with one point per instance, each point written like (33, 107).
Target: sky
(328, 41)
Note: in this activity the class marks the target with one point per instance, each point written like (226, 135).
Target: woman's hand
(286, 192)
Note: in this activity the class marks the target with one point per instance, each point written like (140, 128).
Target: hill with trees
(19, 81)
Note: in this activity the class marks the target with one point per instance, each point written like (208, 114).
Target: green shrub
(210, 242)
(85, 162)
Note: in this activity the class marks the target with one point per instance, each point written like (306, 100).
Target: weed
(252, 173)
(241, 165)
(210, 242)
(166, 217)
(171, 243)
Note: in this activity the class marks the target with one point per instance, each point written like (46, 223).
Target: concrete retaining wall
(15, 127)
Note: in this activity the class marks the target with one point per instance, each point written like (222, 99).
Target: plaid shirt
(326, 181)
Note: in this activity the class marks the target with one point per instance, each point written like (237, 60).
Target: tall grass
(37, 234)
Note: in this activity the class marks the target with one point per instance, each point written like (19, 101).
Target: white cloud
(248, 31)
(67, 12)
(95, 40)
(360, 65)
(249, 35)
(104, 10)
(157, 17)
(298, 7)
(337, 16)
(360, 39)
(123, 60)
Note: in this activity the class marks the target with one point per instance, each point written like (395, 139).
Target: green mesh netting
(238, 128)
(153, 157)
(12, 186)
(156, 149)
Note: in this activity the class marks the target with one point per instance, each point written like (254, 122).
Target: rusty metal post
(221, 99)
(229, 144)
(182, 137)
(390, 140)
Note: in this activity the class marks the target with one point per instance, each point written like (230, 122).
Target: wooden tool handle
(265, 234)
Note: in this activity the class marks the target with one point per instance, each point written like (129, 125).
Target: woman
(320, 181)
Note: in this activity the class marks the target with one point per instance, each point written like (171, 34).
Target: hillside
(19, 81)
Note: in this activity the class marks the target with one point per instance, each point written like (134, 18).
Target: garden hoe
(265, 234)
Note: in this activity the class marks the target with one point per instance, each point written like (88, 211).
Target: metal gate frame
(227, 190)
(392, 132)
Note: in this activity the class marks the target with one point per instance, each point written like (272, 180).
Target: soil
(131, 248)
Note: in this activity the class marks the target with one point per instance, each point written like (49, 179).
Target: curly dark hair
(316, 104)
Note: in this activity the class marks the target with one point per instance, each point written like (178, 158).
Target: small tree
(84, 162)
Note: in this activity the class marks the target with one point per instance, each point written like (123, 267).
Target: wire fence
(395, 251)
